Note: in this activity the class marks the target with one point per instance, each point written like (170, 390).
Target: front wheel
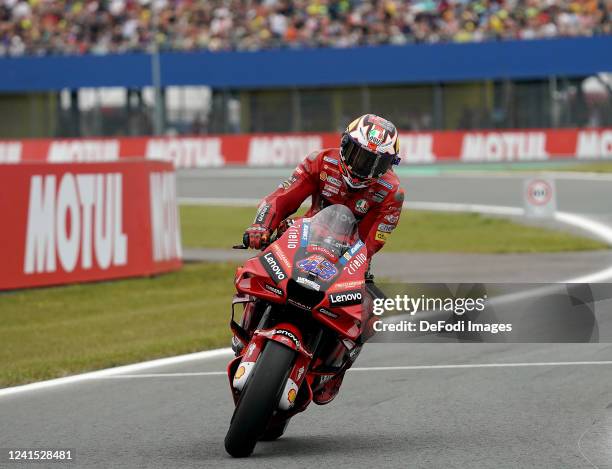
(259, 399)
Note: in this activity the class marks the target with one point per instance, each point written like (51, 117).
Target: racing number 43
(318, 265)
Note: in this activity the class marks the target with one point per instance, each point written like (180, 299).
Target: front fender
(288, 335)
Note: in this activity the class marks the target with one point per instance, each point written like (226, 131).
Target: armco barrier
(69, 223)
(289, 149)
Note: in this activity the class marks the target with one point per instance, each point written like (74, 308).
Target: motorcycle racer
(358, 175)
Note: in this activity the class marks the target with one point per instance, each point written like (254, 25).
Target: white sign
(539, 197)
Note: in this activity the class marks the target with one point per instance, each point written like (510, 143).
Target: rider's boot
(331, 386)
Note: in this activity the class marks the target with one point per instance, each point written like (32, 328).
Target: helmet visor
(364, 163)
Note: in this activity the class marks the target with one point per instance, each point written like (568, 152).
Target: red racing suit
(376, 207)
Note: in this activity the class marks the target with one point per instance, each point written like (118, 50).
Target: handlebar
(245, 243)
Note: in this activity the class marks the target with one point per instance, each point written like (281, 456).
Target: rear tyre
(259, 399)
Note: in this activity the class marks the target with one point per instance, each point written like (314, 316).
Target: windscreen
(333, 229)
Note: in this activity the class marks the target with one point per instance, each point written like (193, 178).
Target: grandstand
(125, 67)
(100, 27)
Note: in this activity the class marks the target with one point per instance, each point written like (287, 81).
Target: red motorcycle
(305, 291)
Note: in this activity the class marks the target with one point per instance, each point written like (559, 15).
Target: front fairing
(291, 272)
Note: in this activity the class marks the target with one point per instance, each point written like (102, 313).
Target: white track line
(599, 229)
(386, 368)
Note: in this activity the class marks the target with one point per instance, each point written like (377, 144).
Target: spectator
(42, 27)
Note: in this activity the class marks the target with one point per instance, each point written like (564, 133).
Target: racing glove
(256, 236)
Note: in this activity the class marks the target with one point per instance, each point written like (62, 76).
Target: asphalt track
(486, 405)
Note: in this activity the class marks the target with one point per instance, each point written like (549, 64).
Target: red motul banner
(290, 149)
(70, 223)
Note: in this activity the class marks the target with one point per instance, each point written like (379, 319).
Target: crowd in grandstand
(42, 27)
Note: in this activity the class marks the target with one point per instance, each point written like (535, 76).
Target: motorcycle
(305, 291)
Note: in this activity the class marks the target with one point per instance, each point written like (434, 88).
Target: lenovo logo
(273, 268)
(345, 299)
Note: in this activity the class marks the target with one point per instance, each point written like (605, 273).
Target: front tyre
(259, 399)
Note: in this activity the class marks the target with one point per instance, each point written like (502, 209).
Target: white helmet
(369, 147)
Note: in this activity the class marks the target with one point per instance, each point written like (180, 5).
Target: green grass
(51, 332)
(220, 227)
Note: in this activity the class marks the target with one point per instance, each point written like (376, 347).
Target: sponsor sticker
(287, 183)
(281, 255)
(386, 184)
(349, 285)
(305, 231)
(351, 252)
(330, 188)
(262, 212)
(381, 236)
(272, 266)
(309, 283)
(356, 262)
(392, 218)
(330, 160)
(334, 181)
(361, 206)
(323, 175)
(328, 313)
(288, 334)
(298, 304)
(379, 196)
(356, 247)
(386, 228)
(276, 291)
(346, 298)
(293, 237)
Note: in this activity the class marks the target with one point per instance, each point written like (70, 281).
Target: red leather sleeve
(378, 224)
(290, 194)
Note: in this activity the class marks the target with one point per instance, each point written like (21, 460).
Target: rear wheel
(259, 399)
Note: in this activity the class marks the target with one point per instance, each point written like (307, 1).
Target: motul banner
(289, 149)
(67, 223)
